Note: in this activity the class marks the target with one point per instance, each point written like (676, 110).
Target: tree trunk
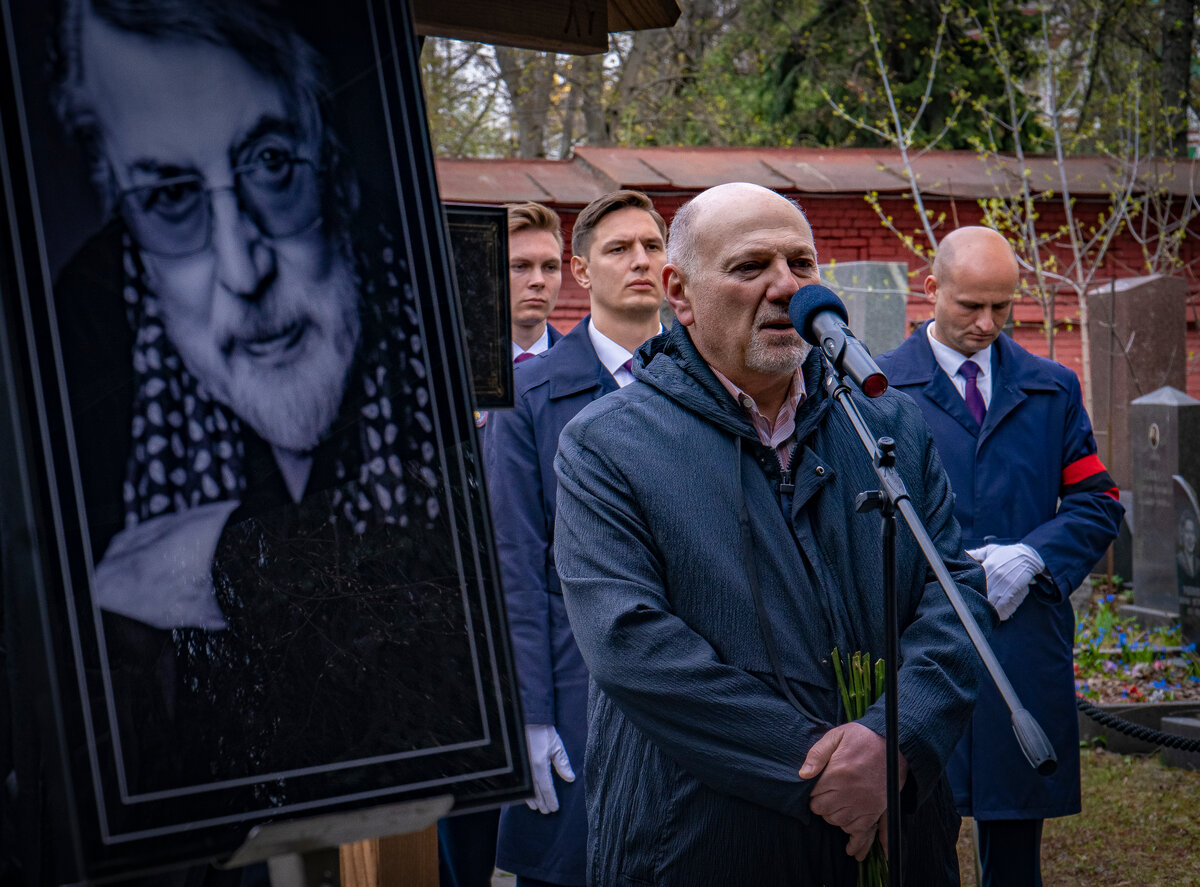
(1177, 31)
(643, 43)
(528, 78)
(591, 86)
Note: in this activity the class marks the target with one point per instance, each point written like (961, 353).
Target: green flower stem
(864, 686)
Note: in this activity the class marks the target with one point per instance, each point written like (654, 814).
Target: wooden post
(400, 861)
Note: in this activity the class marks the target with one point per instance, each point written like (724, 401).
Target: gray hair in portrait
(251, 28)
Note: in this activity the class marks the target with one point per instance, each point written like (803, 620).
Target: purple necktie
(524, 356)
(969, 371)
(627, 366)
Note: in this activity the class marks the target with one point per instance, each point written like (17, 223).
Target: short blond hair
(530, 216)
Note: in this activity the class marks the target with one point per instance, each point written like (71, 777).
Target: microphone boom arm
(1030, 736)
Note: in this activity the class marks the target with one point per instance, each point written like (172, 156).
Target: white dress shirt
(950, 360)
(612, 355)
(537, 347)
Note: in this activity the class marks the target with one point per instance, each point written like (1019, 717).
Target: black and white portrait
(1187, 554)
(281, 588)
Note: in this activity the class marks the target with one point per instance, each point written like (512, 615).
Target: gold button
(820, 471)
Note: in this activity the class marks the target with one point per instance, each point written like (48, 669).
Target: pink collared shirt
(780, 434)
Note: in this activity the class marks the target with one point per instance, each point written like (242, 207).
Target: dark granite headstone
(1136, 331)
(876, 298)
(1164, 428)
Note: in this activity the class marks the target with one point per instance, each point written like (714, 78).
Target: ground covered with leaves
(1140, 826)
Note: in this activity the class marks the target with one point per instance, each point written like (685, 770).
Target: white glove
(980, 554)
(546, 748)
(1009, 569)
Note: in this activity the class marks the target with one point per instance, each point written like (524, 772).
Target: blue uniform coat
(519, 460)
(693, 749)
(1035, 448)
(467, 844)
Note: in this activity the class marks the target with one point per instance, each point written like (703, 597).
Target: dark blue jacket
(1031, 475)
(693, 750)
(519, 460)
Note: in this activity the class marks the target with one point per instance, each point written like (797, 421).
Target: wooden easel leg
(409, 860)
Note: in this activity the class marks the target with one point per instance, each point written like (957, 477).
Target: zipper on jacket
(786, 487)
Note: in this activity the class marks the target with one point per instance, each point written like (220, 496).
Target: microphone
(820, 318)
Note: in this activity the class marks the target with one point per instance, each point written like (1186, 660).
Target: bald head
(694, 220)
(971, 244)
(974, 277)
(737, 253)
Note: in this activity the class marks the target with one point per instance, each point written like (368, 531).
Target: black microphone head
(810, 301)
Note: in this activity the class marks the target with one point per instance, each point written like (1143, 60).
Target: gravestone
(1164, 427)
(1136, 331)
(876, 297)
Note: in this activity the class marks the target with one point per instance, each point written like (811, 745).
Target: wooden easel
(407, 857)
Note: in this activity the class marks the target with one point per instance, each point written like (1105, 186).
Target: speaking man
(619, 246)
(1038, 509)
(711, 560)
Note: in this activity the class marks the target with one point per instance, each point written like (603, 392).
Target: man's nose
(781, 282)
(639, 257)
(537, 279)
(985, 321)
(243, 258)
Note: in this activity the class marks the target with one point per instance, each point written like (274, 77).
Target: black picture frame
(479, 239)
(363, 658)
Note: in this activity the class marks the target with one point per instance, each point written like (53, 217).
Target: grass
(1140, 826)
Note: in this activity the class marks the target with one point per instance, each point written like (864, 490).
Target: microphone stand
(888, 499)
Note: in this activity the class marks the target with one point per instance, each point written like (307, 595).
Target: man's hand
(851, 791)
(546, 748)
(160, 571)
(1009, 569)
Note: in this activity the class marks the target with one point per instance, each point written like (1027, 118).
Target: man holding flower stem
(711, 559)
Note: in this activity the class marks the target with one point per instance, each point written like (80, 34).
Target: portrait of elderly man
(256, 433)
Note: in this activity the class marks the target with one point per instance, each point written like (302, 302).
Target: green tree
(1042, 106)
(464, 99)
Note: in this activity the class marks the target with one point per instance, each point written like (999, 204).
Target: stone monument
(876, 297)
(1164, 430)
(1136, 331)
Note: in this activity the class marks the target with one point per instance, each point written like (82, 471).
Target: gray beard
(775, 359)
(294, 409)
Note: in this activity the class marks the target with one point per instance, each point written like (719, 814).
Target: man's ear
(579, 270)
(931, 288)
(677, 298)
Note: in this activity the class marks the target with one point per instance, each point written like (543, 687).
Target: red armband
(1087, 475)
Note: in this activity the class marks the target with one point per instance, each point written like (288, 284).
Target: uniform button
(820, 471)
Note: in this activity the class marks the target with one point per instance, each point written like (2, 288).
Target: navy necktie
(970, 371)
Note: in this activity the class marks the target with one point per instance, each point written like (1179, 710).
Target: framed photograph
(479, 238)
(247, 567)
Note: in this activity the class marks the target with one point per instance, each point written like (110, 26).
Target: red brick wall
(847, 230)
